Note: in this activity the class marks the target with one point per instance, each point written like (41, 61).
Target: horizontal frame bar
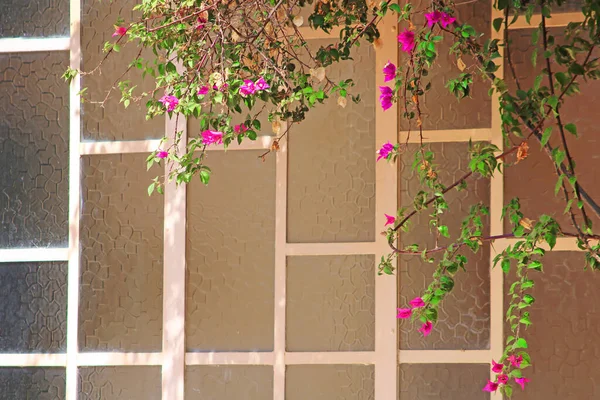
(110, 359)
(562, 244)
(330, 249)
(119, 147)
(444, 357)
(558, 20)
(218, 358)
(33, 360)
(29, 45)
(447, 135)
(34, 255)
(330, 357)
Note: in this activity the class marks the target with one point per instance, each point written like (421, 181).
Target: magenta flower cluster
(385, 151)
(404, 313)
(170, 102)
(212, 137)
(438, 17)
(249, 87)
(502, 378)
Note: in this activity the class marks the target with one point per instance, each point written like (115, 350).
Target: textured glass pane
(331, 165)
(33, 307)
(228, 382)
(34, 138)
(119, 383)
(562, 340)
(440, 108)
(32, 383)
(327, 382)
(330, 303)
(113, 121)
(443, 381)
(230, 255)
(534, 179)
(121, 259)
(26, 18)
(465, 314)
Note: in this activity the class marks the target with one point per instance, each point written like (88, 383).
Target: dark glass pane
(231, 255)
(113, 121)
(330, 303)
(327, 382)
(32, 383)
(119, 383)
(33, 307)
(464, 316)
(40, 18)
(121, 256)
(443, 381)
(228, 382)
(34, 138)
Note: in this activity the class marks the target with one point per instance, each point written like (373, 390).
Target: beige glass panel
(120, 306)
(533, 180)
(562, 339)
(119, 383)
(32, 383)
(228, 382)
(330, 303)
(34, 148)
(231, 254)
(443, 381)
(327, 382)
(331, 161)
(113, 121)
(33, 307)
(440, 108)
(464, 316)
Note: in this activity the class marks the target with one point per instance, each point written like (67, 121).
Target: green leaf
(506, 265)
(576, 69)
(546, 136)
(550, 238)
(571, 128)
(558, 184)
(520, 344)
(205, 176)
(508, 390)
(537, 265)
(443, 230)
(498, 24)
(151, 188)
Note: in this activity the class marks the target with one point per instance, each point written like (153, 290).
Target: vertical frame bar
(386, 287)
(173, 345)
(74, 203)
(280, 269)
(496, 226)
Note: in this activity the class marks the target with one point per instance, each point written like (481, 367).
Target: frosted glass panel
(327, 382)
(231, 255)
(443, 381)
(228, 382)
(330, 303)
(331, 165)
(121, 256)
(34, 18)
(34, 149)
(119, 383)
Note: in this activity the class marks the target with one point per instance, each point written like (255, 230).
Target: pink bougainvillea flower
(417, 302)
(170, 102)
(212, 137)
(497, 368)
(426, 328)
(247, 88)
(404, 313)
(386, 97)
(503, 379)
(201, 23)
(515, 361)
(490, 387)
(162, 154)
(433, 18)
(222, 88)
(385, 150)
(239, 129)
(407, 39)
(389, 72)
(261, 84)
(390, 220)
(203, 90)
(447, 20)
(120, 31)
(522, 381)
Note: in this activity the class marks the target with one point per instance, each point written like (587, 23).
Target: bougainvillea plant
(228, 64)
